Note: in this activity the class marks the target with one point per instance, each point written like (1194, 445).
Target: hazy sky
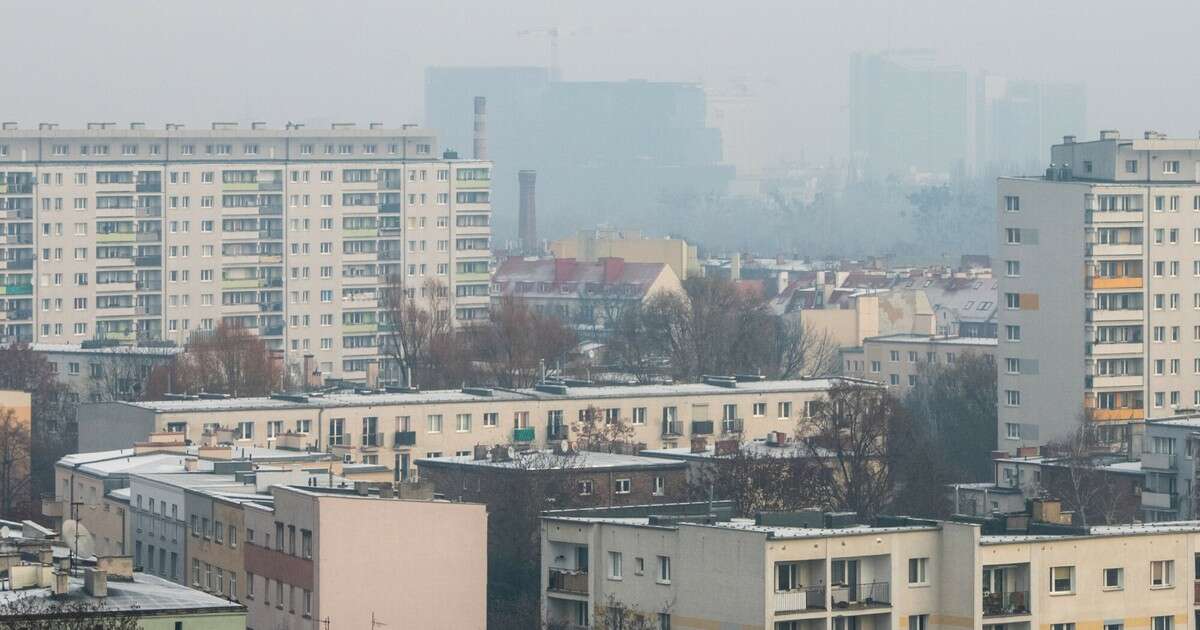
(277, 60)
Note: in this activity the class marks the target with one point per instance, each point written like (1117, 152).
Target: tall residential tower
(146, 235)
(1099, 287)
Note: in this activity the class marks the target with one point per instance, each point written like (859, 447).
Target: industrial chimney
(527, 220)
(481, 152)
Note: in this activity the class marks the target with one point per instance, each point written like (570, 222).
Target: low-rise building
(96, 371)
(630, 245)
(394, 429)
(797, 572)
(590, 478)
(897, 360)
(1168, 460)
(589, 296)
(325, 557)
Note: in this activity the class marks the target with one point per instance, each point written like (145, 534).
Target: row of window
(224, 149)
(1063, 579)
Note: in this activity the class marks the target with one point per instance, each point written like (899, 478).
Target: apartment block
(898, 360)
(1168, 460)
(144, 236)
(394, 429)
(340, 558)
(804, 572)
(1098, 268)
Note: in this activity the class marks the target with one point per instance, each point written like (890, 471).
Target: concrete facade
(1096, 286)
(896, 360)
(308, 565)
(394, 429)
(910, 575)
(290, 233)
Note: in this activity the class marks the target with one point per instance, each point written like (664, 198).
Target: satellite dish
(86, 542)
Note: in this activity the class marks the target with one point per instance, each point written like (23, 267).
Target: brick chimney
(614, 268)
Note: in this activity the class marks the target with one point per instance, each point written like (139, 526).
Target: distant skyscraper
(1017, 121)
(610, 150)
(909, 114)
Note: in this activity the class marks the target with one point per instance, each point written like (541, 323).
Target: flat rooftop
(62, 348)
(758, 447)
(126, 461)
(748, 525)
(548, 460)
(145, 594)
(935, 340)
(1134, 529)
(449, 396)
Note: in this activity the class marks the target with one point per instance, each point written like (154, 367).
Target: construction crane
(551, 34)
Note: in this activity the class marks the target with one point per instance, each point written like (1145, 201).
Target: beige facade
(318, 558)
(594, 244)
(915, 576)
(1098, 287)
(140, 235)
(897, 360)
(394, 429)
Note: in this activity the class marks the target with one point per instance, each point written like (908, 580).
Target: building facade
(1097, 286)
(898, 360)
(908, 574)
(323, 557)
(149, 236)
(394, 429)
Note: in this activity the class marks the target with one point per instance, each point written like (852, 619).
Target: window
(1162, 623)
(1162, 573)
(1062, 626)
(918, 622)
(1012, 236)
(1012, 430)
(1012, 366)
(639, 415)
(1012, 203)
(1170, 167)
(585, 488)
(759, 409)
(785, 410)
(1114, 579)
(1062, 579)
(614, 565)
(1131, 166)
(664, 569)
(916, 570)
(1012, 398)
(622, 486)
(1012, 301)
(435, 423)
(490, 419)
(1013, 333)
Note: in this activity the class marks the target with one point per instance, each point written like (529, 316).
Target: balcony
(1160, 500)
(20, 265)
(389, 208)
(372, 440)
(799, 600)
(148, 261)
(702, 427)
(1107, 349)
(404, 438)
(1008, 604)
(149, 187)
(117, 237)
(557, 432)
(1097, 282)
(360, 233)
(1196, 592)
(270, 235)
(52, 506)
(523, 434)
(1122, 315)
(20, 314)
(864, 595)
(567, 581)
(241, 283)
(1117, 415)
(25, 188)
(149, 309)
(732, 426)
(273, 330)
(270, 307)
(360, 329)
(1158, 461)
(672, 427)
(116, 287)
(16, 289)
(149, 237)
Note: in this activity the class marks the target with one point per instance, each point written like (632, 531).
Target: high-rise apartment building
(143, 235)
(1098, 288)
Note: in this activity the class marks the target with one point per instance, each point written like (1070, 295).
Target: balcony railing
(147, 261)
(1196, 592)
(52, 506)
(732, 426)
(372, 439)
(567, 581)
(404, 438)
(672, 427)
(864, 595)
(1006, 604)
(387, 208)
(149, 187)
(524, 434)
(799, 600)
(1158, 461)
(702, 427)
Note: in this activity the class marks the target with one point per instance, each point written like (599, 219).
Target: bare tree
(414, 327)
(52, 427)
(803, 350)
(757, 481)
(613, 614)
(862, 431)
(515, 343)
(228, 360)
(122, 373)
(15, 481)
(595, 431)
(956, 403)
(1077, 477)
(45, 613)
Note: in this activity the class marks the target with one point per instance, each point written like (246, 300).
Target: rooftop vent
(400, 389)
(375, 125)
(296, 398)
(477, 391)
(749, 378)
(217, 126)
(258, 125)
(47, 126)
(1109, 134)
(135, 126)
(8, 126)
(551, 388)
(101, 125)
(449, 154)
(1068, 139)
(341, 125)
(719, 381)
(212, 396)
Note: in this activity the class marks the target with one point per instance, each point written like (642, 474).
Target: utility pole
(374, 623)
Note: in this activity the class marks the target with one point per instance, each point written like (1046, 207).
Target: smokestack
(527, 219)
(481, 152)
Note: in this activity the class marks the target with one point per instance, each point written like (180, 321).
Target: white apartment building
(141, 235)
(393, 429)
(1099, 271)
(907, 575)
